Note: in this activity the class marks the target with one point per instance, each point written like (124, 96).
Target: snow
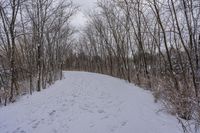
(87, 103)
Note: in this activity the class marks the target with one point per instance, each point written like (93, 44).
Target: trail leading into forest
(87, 103)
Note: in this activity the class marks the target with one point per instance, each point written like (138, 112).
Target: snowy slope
(87, 103)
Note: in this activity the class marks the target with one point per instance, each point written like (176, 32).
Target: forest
(154, 44)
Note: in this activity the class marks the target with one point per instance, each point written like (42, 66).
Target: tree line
(34, 38)
(153, 43)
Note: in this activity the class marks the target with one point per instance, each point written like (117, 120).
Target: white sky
(80, 19)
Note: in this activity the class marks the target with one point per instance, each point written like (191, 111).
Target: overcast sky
(85, 6)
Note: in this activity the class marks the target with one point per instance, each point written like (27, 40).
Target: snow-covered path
(87, 103)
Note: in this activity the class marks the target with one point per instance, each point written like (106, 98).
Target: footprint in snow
(36, 124)
(124, 123)
(32, 122)
(52, 112)
(17, 130)
(92, 125)
(74, 95)
(105, 117)
(100, 111)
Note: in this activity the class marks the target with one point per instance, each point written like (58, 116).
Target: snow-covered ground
(87, 103)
